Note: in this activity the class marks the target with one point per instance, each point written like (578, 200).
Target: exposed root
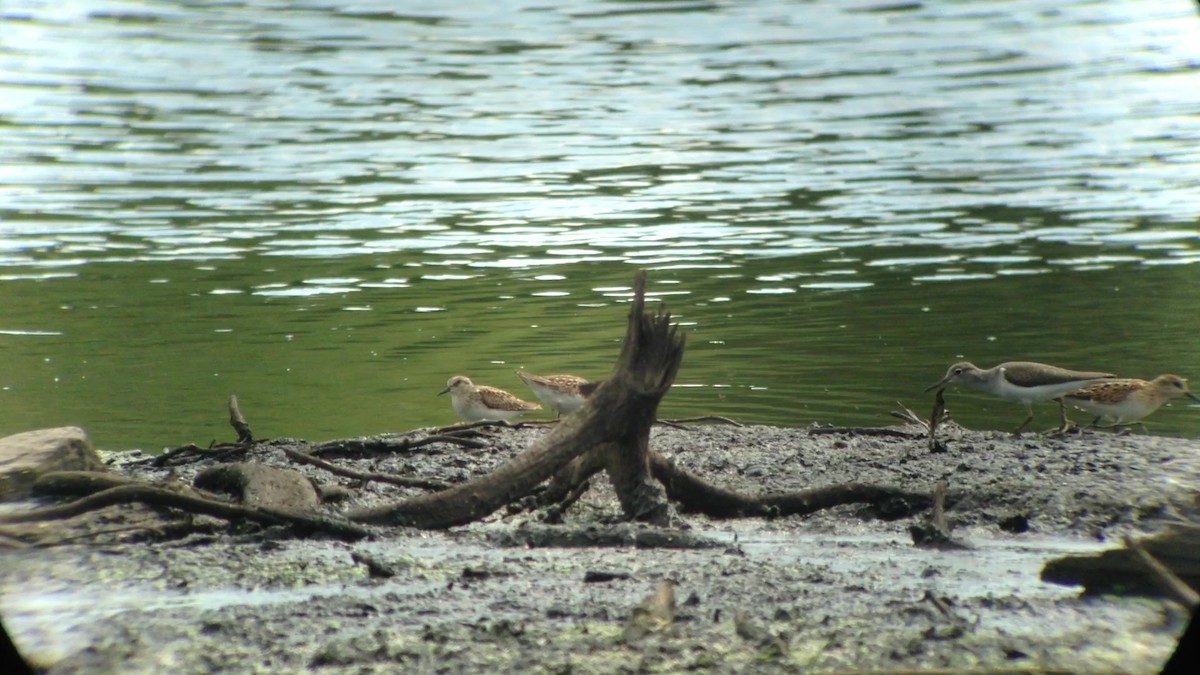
(365, 476)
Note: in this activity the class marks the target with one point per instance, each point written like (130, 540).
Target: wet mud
(840, 590)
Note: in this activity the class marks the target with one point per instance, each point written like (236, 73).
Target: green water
(330, 211)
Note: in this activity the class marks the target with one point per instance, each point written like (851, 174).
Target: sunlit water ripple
(330, 210)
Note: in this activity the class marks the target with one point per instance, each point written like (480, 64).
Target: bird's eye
(958, 371)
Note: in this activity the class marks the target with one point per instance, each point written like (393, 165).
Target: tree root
(128, 490)
(696, 495)
(381, 445)
(365, 476)
(614, 424)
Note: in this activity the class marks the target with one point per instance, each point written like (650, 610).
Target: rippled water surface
(330, 208)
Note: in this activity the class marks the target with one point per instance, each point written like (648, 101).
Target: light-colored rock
(24, 457)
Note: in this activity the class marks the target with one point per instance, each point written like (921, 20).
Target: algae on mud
(841, 589)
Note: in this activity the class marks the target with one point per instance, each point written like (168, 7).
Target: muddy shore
(841, 590)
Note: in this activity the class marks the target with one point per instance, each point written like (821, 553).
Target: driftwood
(136, 491)
(699, 496)
(614, 426)
(104, 489)
(1177, 549)
(1162, 576)
(611, 434)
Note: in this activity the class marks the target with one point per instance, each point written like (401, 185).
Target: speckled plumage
(564, 393)
(1126, 401)
(477, 402)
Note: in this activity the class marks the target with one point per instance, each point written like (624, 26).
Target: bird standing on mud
(478, 403)
(1024, 382)
(1127, 401)
(564, 393)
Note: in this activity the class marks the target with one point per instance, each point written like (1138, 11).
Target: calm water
(330, 210)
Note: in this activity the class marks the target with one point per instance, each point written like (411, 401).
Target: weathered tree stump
(612, 431)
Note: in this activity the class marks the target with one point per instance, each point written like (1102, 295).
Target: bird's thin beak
(444, 391)
(940, 383)
(1192, 396)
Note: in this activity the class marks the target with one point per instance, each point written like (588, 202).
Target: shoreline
(838, 590)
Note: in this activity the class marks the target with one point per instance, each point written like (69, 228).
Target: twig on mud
(379, 446)
(935, 418)
(365, 476)
(939, 507)
(156, 496)
(192, 453)
(930, 425)
(863, 431)
(906, 414)
(1162, 576)
(238, 422)
(464, 426)
(935, 533)
(656, 614)
(706, 418)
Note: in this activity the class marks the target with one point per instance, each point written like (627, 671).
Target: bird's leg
(1028, 419)
(1067, 425)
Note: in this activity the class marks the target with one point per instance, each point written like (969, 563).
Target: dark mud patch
(840, 590)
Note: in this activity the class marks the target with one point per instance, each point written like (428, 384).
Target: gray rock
(256, 484)
(24, 457)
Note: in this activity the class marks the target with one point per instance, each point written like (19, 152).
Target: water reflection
(330, 210)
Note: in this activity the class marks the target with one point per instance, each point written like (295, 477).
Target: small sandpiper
(1024, 382)
(476, 403)
(564, 393)
(1127, 401)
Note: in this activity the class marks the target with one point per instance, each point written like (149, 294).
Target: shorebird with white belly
(564, 393)
(1024, 382)
(477, 402)
(1126, 401)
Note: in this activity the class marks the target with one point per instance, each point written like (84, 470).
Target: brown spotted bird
(564, 393)
(1126, 401)
(477, 402)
